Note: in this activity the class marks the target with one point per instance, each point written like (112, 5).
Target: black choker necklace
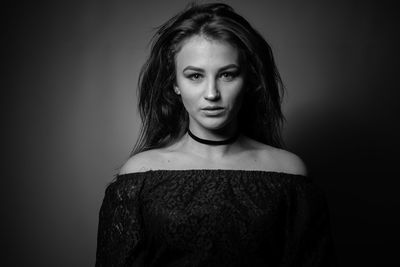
(212, 142)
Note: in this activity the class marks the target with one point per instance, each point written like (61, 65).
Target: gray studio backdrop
(71, 106)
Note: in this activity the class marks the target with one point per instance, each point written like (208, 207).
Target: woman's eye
(195, 76)
(228, 76)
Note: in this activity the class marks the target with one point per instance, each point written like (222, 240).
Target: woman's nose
(212, 93)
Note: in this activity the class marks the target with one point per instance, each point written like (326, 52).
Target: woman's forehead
(205, 52)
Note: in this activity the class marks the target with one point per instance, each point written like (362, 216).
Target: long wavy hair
(164, 118)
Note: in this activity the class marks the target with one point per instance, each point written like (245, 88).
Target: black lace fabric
(214, 218)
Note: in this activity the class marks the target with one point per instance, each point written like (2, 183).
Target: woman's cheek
(189, 103)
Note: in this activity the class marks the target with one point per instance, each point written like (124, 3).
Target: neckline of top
(211, 170)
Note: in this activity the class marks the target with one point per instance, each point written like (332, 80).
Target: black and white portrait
(200, 133)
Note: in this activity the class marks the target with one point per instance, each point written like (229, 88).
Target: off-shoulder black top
(213, 218)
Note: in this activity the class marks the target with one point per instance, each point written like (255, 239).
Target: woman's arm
(309, 240)
(120, 227)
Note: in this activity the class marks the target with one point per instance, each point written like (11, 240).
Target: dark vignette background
(69, 105)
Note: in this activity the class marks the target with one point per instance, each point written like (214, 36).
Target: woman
(208, 183)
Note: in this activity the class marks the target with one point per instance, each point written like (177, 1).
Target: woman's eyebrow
(193, 68)
(230, 66)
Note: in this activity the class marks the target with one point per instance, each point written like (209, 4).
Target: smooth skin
(208, 74)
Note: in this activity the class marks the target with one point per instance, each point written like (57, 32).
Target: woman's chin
(213, 123)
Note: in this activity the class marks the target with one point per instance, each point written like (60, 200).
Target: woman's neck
(211, 144)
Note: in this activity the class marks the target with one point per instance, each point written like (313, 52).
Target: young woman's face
(210, 82)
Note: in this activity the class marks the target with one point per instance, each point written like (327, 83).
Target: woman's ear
(176, 90)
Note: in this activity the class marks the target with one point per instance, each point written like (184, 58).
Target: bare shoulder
(290, 162)
(279, 159)
(141, 162)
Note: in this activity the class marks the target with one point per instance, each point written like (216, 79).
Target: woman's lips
(213, 111)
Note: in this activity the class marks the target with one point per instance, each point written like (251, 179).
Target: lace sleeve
(119, 229)
(309, 239)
